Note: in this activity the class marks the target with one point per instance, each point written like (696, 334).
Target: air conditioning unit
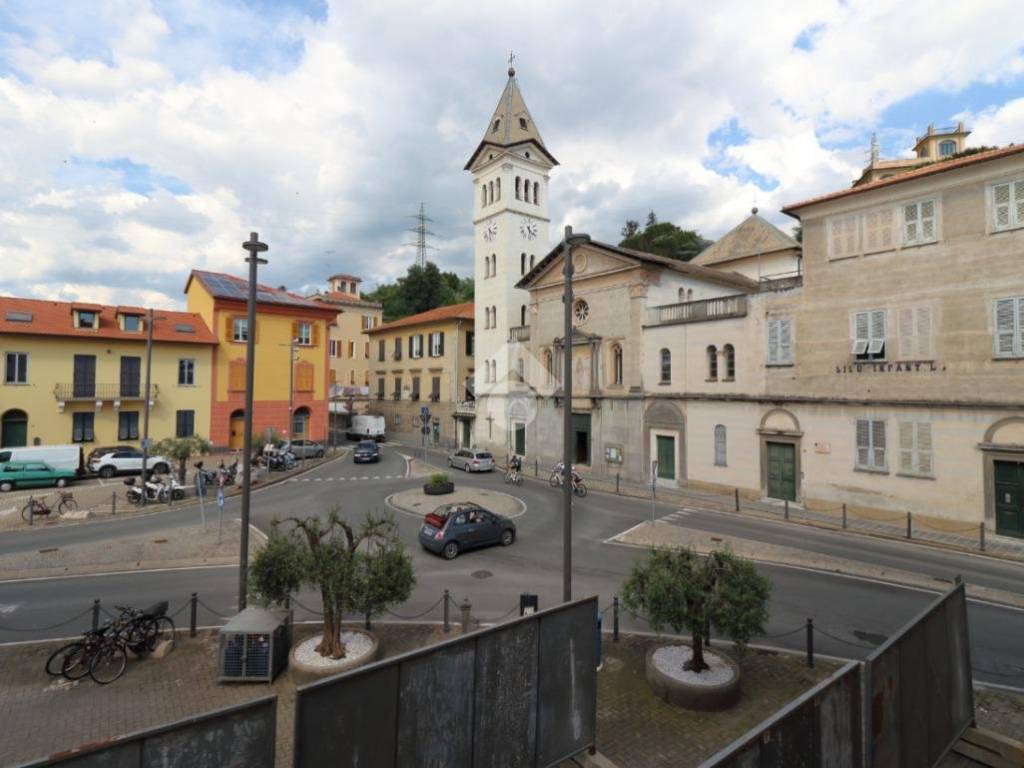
(254, 645)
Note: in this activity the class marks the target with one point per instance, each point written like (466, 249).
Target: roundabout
(415, 503)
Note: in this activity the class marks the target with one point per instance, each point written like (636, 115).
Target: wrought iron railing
(89, 391)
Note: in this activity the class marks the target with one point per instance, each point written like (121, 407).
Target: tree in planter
(681, 590)
(364, 569)
(182, 449)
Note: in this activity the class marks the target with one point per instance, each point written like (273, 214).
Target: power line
(421, 232)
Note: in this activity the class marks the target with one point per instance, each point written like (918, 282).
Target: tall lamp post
(254, 247)
(568, 243)
(145, 410)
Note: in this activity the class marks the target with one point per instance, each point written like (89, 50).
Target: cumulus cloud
(156, 136)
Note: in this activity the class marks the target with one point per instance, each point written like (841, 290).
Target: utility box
(254, 646)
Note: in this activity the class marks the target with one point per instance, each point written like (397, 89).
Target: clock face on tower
(528, 229)
(491, 231)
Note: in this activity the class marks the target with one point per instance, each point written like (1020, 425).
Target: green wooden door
(14, 430)
(1009, 497)
(466, 439)
(782, 471)
(520, 439)
(666, 457)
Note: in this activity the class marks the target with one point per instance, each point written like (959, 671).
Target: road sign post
(200, 493)
(654, 485)
(220, 513)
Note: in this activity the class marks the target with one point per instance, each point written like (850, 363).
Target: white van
(366, 428)
(68, 457)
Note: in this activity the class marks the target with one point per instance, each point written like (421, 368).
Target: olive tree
(182, 449)
(362, 569)
(679, 589)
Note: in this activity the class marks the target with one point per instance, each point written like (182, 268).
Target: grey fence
(242, 735)
(820, 728)
(918, 689)
(523, 693)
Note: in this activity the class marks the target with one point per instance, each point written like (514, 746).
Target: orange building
(287, 326)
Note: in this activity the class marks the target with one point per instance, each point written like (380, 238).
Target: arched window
(682, 294)
(520, 370)
(483, 195)
(947, 148)
(730, 363)
(689, 294)
(522, 315)
(490, 191)
(547, 367)
(494, 317)
(522, 263)
(581, 311)
(666, 367)
(526, 190)
(719, 445)
(712, 363)
(300, 423)
(497, 188)
(536, 193)
(531, 261)
(519, 183)
(617, 365)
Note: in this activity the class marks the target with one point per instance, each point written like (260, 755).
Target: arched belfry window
(730, 362)
(536, 193)
(483, 195)
(712, 363)
(497, 186)
(519, 184)
(490, 191)
(666, 366)
(522, 263)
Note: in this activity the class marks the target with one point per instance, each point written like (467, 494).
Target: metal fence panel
(239, 735)
(506, 685)
(485, 699)
(568, 685)
(820, 728)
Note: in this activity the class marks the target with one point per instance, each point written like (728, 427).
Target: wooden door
(666, 457)
(237, 438)
(1009, 498)
(782, 471)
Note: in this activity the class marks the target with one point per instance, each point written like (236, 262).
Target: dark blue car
(454, 528)
(366, 451)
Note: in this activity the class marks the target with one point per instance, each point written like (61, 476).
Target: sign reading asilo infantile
(905, 366)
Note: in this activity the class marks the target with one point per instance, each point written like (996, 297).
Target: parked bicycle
(40, 507)
(578, 487)
(102, 653)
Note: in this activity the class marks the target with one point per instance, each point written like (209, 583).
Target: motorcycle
(281, 461)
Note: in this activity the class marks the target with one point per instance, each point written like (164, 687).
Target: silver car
(471, 460)
(306, 449)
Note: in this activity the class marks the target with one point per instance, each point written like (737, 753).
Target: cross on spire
(511, 64)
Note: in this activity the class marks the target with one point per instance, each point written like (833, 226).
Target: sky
(142, 138)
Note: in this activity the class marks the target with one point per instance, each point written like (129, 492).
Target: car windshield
(367, 444)
(483, 455)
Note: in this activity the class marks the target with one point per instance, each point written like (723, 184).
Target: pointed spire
(511, 123)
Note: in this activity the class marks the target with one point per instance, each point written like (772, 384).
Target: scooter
(281, 461)
(150, 490)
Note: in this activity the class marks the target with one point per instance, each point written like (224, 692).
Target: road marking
(7, 608)
(317, 479)
(117, 573)
(376, 477)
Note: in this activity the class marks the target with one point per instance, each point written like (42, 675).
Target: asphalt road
(858, 613)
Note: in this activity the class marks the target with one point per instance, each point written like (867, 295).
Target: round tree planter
(720, 691)
(440, 489)
(304, 658)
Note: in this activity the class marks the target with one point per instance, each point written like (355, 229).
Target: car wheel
(451, 550)
(5, 487)
(61, 482)
(106, 472)
(507, 537)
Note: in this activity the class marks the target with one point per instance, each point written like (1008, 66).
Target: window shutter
(850, 234)
(863, 442)
(877, 333)
(878, 443)
(861, 332)
(905, 329)
(1019, 336)
(229, 327)
(928, 228)
(836, 238)
(910, 228)
(410, 345)
(907, 446)
(925, 337)
(785, 340)
(924, 448)
(878, 230)
(295, 330)
(1001, 204)
(440, 343)
(1007, 332)
(315, 337)
(1018, 203)
(773, 342)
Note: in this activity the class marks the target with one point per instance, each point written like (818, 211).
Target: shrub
(439, 478)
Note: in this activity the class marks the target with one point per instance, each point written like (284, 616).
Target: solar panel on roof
(19, 317)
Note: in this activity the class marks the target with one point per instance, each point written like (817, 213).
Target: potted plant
(678, 589)
(439, 484)
(361, 570)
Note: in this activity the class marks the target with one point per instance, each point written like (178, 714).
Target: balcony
(435, 397)
(701, 311)
(519, 333)
(396, 396)
(68, 393)
(465, 408)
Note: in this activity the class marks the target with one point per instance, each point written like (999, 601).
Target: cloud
(158, 135)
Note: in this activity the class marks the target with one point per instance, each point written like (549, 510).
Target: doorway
(666, 452)
(581, 438)
(236, 439)
(520, 441)
(467, 431)
(781, 471)
(1009, 497)
(14, 429)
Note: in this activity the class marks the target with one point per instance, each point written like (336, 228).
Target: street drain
(869, 637)
(481, 574)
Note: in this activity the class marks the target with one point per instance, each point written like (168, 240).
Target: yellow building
(75, 372)
(287, 325)
(426, 360)
(348, 351)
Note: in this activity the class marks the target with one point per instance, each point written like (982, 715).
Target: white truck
(69, 457)
(365, 427)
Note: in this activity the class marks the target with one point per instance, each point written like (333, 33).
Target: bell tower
(510, 169)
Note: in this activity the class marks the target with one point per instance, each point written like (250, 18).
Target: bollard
(615, 618)
(736, 491)
(113, 503)
(536, 467)
(617, 482)
(909, 524)
(447, 623)
(981, 534)
(95, 614)
(465, 608)
(785, 503)
(844, 515)
(193, 606)
(810, 643)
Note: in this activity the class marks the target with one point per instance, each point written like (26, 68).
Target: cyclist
(515, 466)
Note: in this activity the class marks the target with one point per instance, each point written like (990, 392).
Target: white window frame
(874, 431)
(1014, 205)
(916, 449)
(304, 334)
(20, 377)
(416, 349)
(780, 341)
(918, 222)
(435, 344)
(872, 343)
(190, 369)
(1008, 338)
(239, 329)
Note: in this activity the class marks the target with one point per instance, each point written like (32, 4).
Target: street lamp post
(253, 246)
(145, 410)
(568, 243)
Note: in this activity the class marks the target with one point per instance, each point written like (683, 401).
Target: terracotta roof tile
(53, 318)
(941, 166)
(451, 312)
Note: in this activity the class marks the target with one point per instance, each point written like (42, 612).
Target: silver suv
(127, 462)
(472, 460)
